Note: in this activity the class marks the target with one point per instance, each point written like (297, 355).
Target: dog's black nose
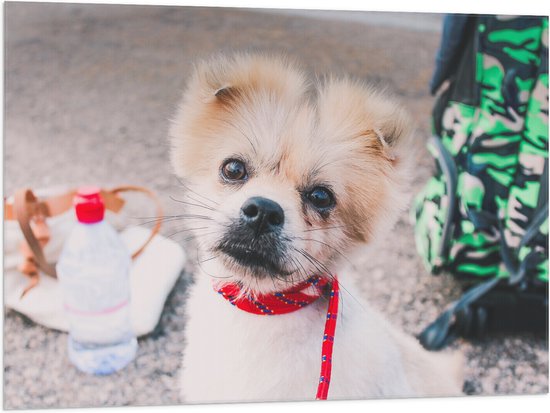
(262, 215)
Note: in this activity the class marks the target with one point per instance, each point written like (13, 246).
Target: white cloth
(152, 275)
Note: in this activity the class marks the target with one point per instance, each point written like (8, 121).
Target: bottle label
(100, 312)
(97, 306)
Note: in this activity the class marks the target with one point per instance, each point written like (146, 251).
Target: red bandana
(291, 300)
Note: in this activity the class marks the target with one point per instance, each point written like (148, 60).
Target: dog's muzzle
(254, 239)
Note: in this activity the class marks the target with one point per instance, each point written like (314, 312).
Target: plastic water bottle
(93, 270)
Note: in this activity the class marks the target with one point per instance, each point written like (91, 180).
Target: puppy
(282, 176)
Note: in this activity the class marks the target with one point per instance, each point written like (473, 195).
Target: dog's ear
(210, 81)
(227, 94)
(354, 109)
(392, 127)
(228, 79)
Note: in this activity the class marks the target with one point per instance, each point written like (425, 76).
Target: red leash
(328, 342)
(291, 300)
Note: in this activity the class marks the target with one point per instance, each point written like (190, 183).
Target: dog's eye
(320, 198)
(234, 170)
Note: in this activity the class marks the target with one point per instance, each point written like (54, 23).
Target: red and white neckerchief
(291, 300)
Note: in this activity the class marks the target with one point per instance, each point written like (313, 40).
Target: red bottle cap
(89, 205)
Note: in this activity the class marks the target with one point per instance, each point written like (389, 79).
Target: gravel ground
(89, 91)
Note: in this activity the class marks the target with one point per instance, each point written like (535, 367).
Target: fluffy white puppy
(283, 178)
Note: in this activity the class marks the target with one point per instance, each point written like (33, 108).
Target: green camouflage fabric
(484, 213)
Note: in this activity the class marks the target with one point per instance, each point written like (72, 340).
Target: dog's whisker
(301, 270)
(186, 194)
(186, 230)
(179, 218)
(324, 228)
(209, 259)
(166, 218)
(196, 193)
(196, 236)
(199, 263)
(315, 262)
(328, 273)
(156, 217)
(239, 129)
(192, 204)
(328, 246)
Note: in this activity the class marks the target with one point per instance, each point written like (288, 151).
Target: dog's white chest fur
(231, 355)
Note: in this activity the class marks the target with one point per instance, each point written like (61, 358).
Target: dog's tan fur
(292, 135)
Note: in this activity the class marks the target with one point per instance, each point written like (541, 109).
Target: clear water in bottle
(93, 270)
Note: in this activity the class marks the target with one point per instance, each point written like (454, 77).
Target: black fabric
(455, 62)
(455, 30)
(509, 310)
